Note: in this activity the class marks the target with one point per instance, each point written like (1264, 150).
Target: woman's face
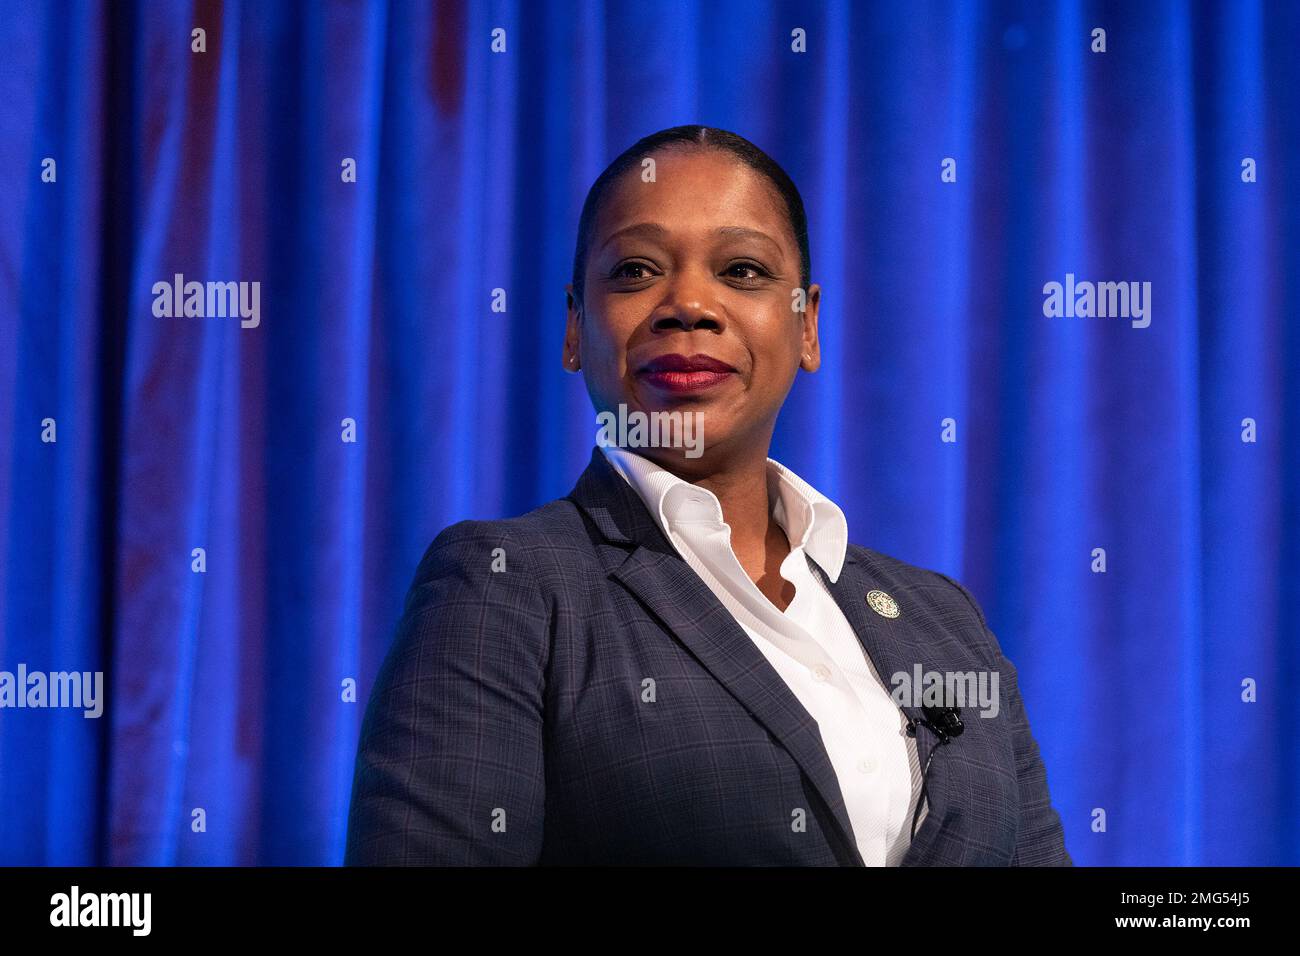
(689, 302)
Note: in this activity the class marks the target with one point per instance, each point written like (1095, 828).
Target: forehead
(696, 191)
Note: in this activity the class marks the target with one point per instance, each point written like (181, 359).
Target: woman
(685, 661)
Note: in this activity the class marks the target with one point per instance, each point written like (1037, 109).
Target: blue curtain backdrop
(224, 688)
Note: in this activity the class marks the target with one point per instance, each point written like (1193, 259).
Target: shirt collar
(810, 519)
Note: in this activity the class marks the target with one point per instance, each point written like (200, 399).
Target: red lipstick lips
(680, 373)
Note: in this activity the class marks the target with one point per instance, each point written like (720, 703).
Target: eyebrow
(653, 230)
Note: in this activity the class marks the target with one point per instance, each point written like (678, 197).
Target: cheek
(605, 363)
(600, 337)
(610, 318)
(776, 341)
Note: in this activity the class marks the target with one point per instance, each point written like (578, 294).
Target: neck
(742, 492)
(739, 481)
(757, 539)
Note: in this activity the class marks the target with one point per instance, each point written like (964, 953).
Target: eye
(624, 270)
(758, 271)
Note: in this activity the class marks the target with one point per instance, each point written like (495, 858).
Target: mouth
(681, 373)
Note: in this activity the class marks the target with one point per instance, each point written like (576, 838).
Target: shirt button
(867, 764)
(821, 673)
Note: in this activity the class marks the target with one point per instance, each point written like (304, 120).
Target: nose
(685, 309)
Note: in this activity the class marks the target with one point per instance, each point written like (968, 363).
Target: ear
(572, 356)
(810, 349)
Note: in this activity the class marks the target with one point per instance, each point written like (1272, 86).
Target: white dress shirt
(810, 644)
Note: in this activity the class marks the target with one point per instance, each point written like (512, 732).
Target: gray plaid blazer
(512, 721)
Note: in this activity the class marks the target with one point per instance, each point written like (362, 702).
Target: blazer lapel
(892, 646)
(657, 575)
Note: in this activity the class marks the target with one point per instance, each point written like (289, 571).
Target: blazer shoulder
(908, 575)
(543, 542)
(534, 528)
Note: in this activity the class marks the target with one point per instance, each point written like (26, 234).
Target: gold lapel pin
(882, 604)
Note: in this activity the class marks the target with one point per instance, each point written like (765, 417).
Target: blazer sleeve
(1040, 840)
(449, 767)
